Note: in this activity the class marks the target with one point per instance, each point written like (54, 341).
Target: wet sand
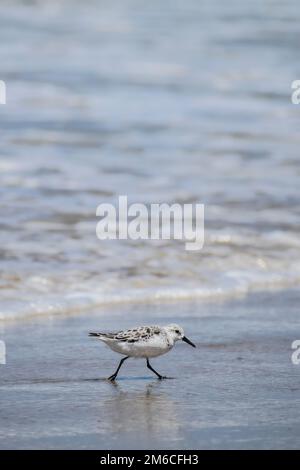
(237, 390)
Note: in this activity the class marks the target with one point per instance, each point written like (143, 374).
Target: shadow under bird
(143, 342)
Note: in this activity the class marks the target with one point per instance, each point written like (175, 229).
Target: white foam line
(81, 302)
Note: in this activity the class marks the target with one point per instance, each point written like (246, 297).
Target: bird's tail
(98, 335)
(102, 336)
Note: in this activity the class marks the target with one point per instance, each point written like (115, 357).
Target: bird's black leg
(114, 376)
(151, 368)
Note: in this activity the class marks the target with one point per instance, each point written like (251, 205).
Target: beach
(237, 390)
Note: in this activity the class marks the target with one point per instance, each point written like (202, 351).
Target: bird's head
(175, 332)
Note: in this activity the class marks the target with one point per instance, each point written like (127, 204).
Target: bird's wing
(132, 335)
(137, 334)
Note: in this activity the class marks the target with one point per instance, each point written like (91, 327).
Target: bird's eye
(177, 331)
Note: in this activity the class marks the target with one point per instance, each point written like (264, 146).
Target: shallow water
(165, 103)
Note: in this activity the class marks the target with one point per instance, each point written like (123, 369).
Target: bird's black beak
(186, 340)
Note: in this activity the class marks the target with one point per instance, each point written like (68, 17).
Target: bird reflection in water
(142, 415)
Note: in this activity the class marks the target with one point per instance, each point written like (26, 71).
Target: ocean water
(163, 102)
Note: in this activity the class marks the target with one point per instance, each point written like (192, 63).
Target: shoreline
(156, 300)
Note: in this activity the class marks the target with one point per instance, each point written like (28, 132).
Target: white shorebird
(143, 342)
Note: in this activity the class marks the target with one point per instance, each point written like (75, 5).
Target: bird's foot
(112, 378)
(161, 377)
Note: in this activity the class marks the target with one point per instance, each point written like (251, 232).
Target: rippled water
(162, 101)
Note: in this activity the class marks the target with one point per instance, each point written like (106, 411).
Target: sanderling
(143, 342)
